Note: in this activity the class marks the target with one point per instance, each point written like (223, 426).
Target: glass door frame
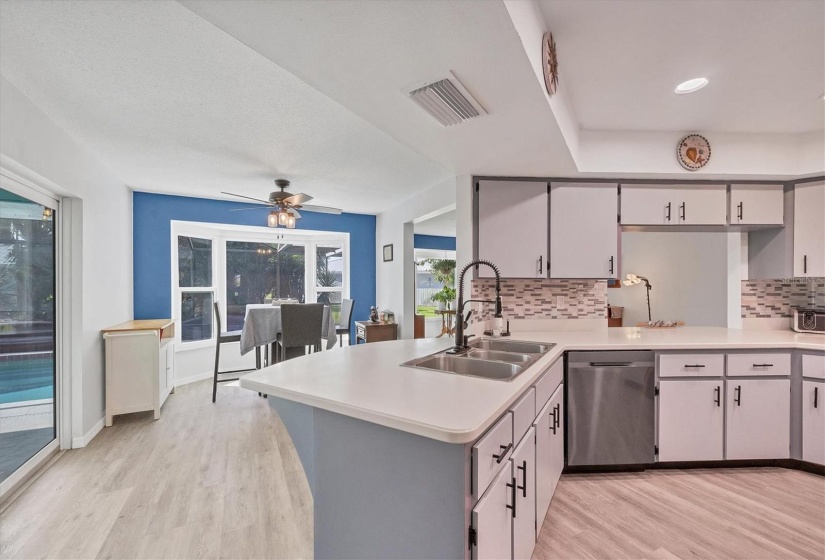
(15, 184)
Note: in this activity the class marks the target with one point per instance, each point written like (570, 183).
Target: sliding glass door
(27, 330)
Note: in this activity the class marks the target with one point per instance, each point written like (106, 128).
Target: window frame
(220, 234)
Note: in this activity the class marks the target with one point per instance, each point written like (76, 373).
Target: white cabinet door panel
(644, 205)
(756, 364)
(584, 234)
(524, 518)
(546, 385)
(691, 420)
(492, 518)
(700, 204)
(758, 418)
(557, 439)
(691, 365)
(490, 452)
(524, 412)
(813, 422)
(512, 228)
(809, 230)
(757, 205)
(545, 423)
(813, 365)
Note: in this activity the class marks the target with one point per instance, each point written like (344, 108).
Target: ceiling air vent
(447, 101)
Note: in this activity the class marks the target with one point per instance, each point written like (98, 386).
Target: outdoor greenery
(26, 270)
(427, 311)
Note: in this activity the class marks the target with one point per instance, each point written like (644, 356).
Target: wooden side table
(447, 316)
(367, 331)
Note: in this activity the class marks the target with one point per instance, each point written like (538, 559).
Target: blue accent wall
(153, 214)
(434, 242)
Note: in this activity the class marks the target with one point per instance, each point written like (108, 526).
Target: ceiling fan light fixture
(290, 221)
(272, 219)
(283, 216)
(691, 85)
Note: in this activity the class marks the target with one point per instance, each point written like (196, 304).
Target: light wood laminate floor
(223, 480)
(667, 514)
(205, 481)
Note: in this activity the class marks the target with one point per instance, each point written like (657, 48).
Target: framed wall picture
(388, 252)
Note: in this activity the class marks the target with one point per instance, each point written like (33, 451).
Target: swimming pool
(26, 377)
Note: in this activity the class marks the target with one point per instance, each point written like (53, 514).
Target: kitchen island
(388, 449)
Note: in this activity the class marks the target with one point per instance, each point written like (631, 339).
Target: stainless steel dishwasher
(610, 408)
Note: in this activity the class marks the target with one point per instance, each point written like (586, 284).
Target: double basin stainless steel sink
(490, 358)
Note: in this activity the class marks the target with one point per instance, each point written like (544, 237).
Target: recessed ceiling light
(691, 85)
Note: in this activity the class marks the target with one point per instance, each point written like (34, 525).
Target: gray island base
(379, 492)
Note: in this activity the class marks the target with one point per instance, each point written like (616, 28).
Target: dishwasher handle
(612, 364)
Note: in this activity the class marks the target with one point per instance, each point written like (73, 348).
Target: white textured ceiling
(443, 225)
(621, 60)
(172, 104)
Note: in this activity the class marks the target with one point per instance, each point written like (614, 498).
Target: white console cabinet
(140, 371)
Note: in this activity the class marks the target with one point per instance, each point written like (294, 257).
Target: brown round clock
(550, 63)
(693, 152)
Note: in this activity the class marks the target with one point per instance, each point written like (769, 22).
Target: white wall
(30, 138)
(688, 272)
(395, 280)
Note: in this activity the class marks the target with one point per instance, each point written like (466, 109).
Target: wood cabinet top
(165, 326)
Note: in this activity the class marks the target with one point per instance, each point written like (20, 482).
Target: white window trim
(219, 234)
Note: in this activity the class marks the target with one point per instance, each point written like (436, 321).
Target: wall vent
(447, 101)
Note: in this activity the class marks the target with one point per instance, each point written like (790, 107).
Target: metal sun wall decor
(550, 63)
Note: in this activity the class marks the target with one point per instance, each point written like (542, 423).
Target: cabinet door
(644, 205)
(584, 234)
(545, 426)
(813, 422)
(524, 517)
(492, 518)
(809, 230)
(758, 418)
(512, 228)
(557, 439)
(757, 204)
(700, 205)
(691, 420)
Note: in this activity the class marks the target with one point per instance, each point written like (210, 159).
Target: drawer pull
(718, 398)
(816, 394)
(504, 450)
(668, 212)
(553, 422)
(737, 395)
(762, 365)
(694, 365)
(523, 468)
(557, 417)
(512, 488)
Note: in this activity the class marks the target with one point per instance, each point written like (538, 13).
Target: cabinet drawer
(813, 365)
(759, 364)
(548, 382)
(524, 412)
(498, 441)
(691, 365)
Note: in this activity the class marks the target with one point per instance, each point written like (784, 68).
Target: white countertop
(367, 381)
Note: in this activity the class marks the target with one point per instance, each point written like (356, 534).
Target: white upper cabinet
(672, 205)
(809, 230)
(512, 228)
(584, 233)
(757, 205)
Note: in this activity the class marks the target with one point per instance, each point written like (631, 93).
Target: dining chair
(301, 326)
(223, 338)
(345, 321)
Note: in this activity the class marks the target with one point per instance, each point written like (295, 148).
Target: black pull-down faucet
(461, 320)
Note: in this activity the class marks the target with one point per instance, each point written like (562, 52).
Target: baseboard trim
(84, 440)
(794, 464)
(193, 378)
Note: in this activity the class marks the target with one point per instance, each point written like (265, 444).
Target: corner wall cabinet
(671, 205)
(757, 205)
(513, 228)
(809, 229)
(140, 370)
(584, 233)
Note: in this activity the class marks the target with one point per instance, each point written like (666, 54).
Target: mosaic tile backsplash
(536, 299)
(774, 298)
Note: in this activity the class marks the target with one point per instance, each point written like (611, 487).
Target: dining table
(262, 325)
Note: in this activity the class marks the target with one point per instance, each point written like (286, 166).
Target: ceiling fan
(285, 206)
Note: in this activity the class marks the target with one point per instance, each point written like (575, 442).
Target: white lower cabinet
(524, 513)
(549, 428)
(813, 421)
(492, 518)
(691, 420)
(758, 418)
(556, 440)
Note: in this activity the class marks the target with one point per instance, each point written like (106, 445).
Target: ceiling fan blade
(297, 199)
(250, 208)
(323, 209)
(295, 213)
(249, 197)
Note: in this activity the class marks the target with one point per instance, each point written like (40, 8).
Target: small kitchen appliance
(809, 319)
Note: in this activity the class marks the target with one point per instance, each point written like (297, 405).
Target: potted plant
(444, 297)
